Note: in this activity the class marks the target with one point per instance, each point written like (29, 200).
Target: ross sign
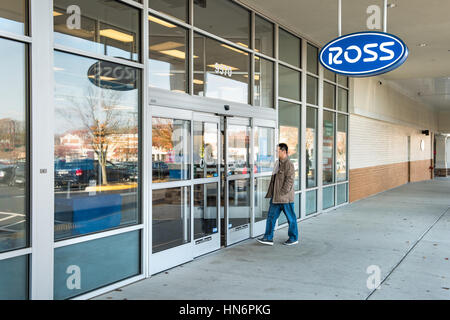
(364, 54)
(108, 75)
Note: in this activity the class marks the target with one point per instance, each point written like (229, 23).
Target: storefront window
(238, 149)
(328, 197)
(329, 75)
(174, 8)
(13, 16)
(103, 27)
(311, 147)
(289, 48)
(96, 145)
(14, 278)
(312, 88)
(289, 122)
(261, 203)
(328, 147)
(171, 150)
(341, 148)
(289, 83)
(311, 202)
(343, 100)
(98, 263)
(220, 71)
(205, 150)
(313, 54)
(342, 196)
(264, 149)
(14, 215)
(264, 36)
(171, 218)
(168, 55)
(329, 95)
(343, 80)
(224, 19)
(264, 83)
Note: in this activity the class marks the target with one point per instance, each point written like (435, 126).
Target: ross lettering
(352, 58)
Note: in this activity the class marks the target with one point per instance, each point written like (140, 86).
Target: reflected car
(6, 173)
(18, 177)
(160, 169)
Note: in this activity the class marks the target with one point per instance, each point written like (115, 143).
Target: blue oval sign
(364, 54)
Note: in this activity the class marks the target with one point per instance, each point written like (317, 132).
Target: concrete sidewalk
(404, 231)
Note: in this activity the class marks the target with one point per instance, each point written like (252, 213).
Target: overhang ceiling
(416, 22)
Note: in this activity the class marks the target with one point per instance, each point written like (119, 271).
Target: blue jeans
(274, 214)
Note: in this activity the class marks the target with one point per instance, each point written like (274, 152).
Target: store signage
(108, 75)
(223, 69)
(364, 54)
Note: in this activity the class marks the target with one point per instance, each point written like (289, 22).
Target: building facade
(139, 135)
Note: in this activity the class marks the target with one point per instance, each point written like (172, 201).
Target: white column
(42, 150)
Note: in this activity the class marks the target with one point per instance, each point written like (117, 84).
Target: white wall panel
(375, 143)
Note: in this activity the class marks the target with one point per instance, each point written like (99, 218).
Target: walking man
(281, 195)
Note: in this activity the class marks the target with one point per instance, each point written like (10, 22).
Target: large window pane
(329, 75)
(174, 8)
(313, 55)
(342, 100)
(96, 124)
(264, 149)
(239, 202)
(171, 149)
(220, 71)
(311, 202)
(224, 19)
(171, 218)
(87, 266)
(14, 278)
(14, 16)
(341, 148)
(205, 210)
(100, 26)
(261, 203)
(168, 55)
(312, 88)
(289, 48)
(329, 95)
(289, 83)
(14, 216)
(311, 147)
(238, 149)
(264, 36)
(328, 147)
(264, 83)
(206, 158)
(289, 122)
(328, 197)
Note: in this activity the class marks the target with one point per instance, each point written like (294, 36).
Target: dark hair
(283, 146)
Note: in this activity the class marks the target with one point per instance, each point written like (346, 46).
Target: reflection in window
(312, 88)
(289, 83)
(311, 147)
(14, 16)
(14, 217)
(289, 122)
(264, 83)
(329, 95)
(171, 218)
(168, 56)
(171, 149)
(96, 145)
(342, 100)
(224, 19)
(100, 26)
(261, 203)
(264, 36)
(205, 210)
(313, 55)
(238, 149)
(289, 48)
(220, 71)
(174, 8)
(328, 147)
(205, 150)
(264, 149)
(341, 148)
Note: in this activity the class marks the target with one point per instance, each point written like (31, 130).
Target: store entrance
(209, 178)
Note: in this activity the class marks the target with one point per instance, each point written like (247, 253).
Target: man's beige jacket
(281, 188)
